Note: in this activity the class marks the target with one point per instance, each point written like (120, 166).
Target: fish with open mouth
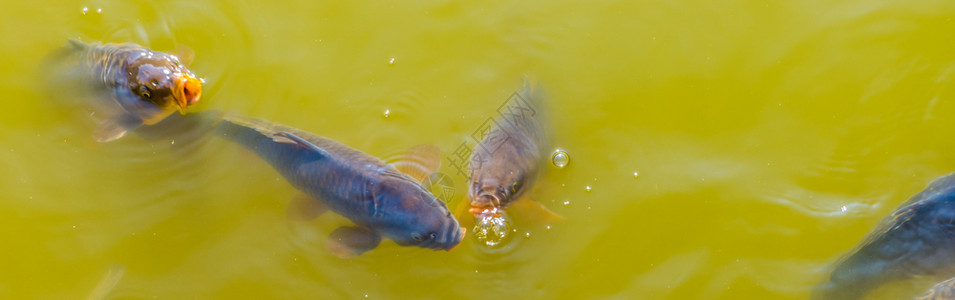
(506, 163)
(377, 197)
(126, 85)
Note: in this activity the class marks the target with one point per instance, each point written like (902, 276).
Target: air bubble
(493, 230)
(387, 113)
(560, 158)
(635, 175)
(391, 62)
(587, 188)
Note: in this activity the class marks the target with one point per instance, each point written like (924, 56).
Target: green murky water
(769, 137)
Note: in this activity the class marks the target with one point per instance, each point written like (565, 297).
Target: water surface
(769, 138)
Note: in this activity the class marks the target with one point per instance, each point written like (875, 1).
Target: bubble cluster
(560, 158)
(493, 230)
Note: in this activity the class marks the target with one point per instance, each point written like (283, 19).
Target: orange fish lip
(485, 203)
(486, 211)
(187, 91)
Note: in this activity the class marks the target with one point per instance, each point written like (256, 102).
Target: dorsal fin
(288, 137)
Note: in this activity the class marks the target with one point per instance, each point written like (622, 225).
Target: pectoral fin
(77, 44)
(305, 208)
(349, 241)
(533, 211)
(419, 161)
(185, 54)
(111, 130)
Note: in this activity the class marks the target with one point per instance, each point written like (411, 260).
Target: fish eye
(517, 184)
(416, 236)
(145, 92)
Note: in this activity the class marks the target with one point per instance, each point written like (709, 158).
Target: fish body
(506, 163)
(379, 199)
(129, 85)
(917, 239)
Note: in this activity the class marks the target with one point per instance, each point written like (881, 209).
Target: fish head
(160, 79)
(493, 191)
(409, 215)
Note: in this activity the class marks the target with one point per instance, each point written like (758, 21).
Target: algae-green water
(768, 137)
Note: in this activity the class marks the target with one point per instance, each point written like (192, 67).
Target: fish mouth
(454, 239)
(187, 91)
(485, 204)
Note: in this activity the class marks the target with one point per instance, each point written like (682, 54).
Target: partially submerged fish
(917, 239)
(129, 85)
(380, 200)
(506, 163)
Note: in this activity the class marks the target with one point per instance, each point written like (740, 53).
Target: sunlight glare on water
(777, 135)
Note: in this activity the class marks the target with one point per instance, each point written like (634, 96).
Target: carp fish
(506, 163)
(917, 239)
(379, 199)
(126, 85)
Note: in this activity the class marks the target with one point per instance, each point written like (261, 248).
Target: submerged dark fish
(917, 239)
(506, 163)
(380, 200)
(129, 85)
